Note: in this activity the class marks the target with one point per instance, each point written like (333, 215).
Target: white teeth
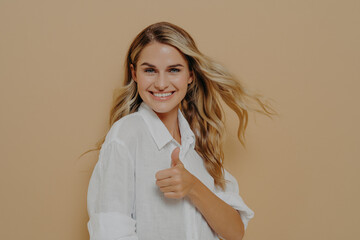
(162, 94)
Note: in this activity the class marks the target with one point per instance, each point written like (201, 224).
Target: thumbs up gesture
(175, 182)
(175, 160)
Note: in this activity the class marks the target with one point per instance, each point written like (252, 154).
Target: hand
(175, 182)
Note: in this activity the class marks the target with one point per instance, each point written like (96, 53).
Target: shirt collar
(159, 131)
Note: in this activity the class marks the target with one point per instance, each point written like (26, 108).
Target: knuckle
(177, 181)
(168, 195)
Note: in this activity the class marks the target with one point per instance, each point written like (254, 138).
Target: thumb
(175, 157)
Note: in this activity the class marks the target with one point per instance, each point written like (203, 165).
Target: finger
(175, 157)
(163, 174)
(164, 182)
(169, 189)
(173, 195)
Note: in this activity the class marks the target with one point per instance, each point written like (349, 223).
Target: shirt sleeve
(111, 195)
(232, 197)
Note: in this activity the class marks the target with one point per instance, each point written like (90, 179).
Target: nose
(161, 82)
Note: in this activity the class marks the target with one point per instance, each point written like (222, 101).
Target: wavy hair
(201, 105)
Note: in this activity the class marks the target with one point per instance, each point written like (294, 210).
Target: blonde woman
(160, 171)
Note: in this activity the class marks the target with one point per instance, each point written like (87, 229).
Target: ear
(133, 72)
(190, 80)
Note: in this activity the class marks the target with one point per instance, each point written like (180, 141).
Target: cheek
(144, 82)
(182, 83)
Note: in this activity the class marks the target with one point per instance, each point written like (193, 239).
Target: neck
(170, 120)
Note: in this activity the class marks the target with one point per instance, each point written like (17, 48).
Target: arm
(176, 182)
(111, 195)
(221, 217)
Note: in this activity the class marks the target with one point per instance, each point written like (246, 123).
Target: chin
(162, 110)
(166, 108)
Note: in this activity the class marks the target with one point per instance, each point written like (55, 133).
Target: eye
(174, 70)
(149, 70)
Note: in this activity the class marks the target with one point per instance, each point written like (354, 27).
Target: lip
(162, 98)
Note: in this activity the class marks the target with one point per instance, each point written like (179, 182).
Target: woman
(160, 171)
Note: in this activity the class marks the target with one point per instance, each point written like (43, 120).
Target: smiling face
(162, 75)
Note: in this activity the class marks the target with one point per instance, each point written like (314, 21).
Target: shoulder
(127, 129)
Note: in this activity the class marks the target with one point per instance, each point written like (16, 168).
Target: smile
(162, 94)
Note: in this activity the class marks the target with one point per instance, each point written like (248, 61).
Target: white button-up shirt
(123, 199)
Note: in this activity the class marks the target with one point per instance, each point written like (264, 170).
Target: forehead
(160, 54)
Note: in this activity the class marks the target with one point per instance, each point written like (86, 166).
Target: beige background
(61, 60)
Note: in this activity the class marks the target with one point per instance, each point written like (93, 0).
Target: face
(162, 75)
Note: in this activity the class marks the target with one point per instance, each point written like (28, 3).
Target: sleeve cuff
(235, 201)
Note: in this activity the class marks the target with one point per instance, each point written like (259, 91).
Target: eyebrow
(171, 66)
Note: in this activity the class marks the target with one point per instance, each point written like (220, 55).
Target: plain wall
(61, 60)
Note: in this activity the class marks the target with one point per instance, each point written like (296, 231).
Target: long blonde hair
(201, 105)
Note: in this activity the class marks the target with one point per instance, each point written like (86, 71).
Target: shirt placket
(190, 210)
